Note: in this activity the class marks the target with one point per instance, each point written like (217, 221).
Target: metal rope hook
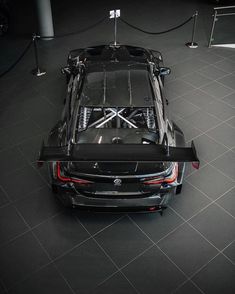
(193, 44)
(36, 71)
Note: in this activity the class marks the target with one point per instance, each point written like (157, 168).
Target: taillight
(69, 179)
(169, 179)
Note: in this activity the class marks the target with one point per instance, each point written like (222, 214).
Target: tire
(178, 189)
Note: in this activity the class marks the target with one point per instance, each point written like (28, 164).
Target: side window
(159, 96)
(73, 95)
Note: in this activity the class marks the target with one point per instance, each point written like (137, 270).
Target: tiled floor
(190, 249)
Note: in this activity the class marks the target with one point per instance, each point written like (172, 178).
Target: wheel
(178, 189)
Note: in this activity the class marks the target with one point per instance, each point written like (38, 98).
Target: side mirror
(163, 71)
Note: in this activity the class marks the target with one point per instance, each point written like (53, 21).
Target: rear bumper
(154, 202)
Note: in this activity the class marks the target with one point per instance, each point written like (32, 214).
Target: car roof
(116, 84)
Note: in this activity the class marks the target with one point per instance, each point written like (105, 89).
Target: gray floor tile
(185, 67)
(230, 252)
(210, 57)
(2, 288)
(157, 226)
(43, 113)
(228, 81)
(226, 163)
(220, 233)
(116, 284)
(20, 259)
(231, 121)
(5, 139)
(11, 160)
(22, 131)
(223, 134)
(46, 280)
(3, 198)
(217, 90)
(123, 241)
(169, 94)
(11, 115)
(30, 148)
(217, 277)
(189, 202)
(189, 131)
(212, 72)
(207, 148)
(26, 180)
(209, 174)
(60, 234)
(85, 267)
(37, 206)
(225, 65)
(12, 225)
(198, 98)
(188, 287)
(183, 245)
(219, 109)
(196, 79)
(228, 202)
(179, 87)
(142, 273)
(182, 108)
(224, 52)
(202, 120)
(230, 99)
(95, 222)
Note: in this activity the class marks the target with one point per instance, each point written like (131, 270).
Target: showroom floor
(45, 248)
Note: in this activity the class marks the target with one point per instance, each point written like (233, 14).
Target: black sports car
(115, 146)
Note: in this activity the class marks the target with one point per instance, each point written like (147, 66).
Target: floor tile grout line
(36, 170)
(101, 230)
(209, 163)
(21, 142)
(201, 73)
(211, 199)
(200, 88)
(133, 259)
(156, 245)
(106, 254)
(218, 99)
(209, 204)
(195, 229)
(114, 263)
(45, 251)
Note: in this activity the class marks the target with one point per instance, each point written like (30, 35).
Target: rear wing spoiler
(119, 153)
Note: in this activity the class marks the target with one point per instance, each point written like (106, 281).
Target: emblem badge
(117, 182)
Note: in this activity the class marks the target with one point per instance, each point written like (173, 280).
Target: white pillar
(45, 18)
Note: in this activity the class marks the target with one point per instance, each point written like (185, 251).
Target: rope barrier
(76, 32)
(39, 72)
(156, 33)
(18, 59)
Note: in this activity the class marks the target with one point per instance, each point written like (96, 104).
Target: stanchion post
(193, 44)
(212, 29)
(37, 71)
(115, 29)
(115, 14)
